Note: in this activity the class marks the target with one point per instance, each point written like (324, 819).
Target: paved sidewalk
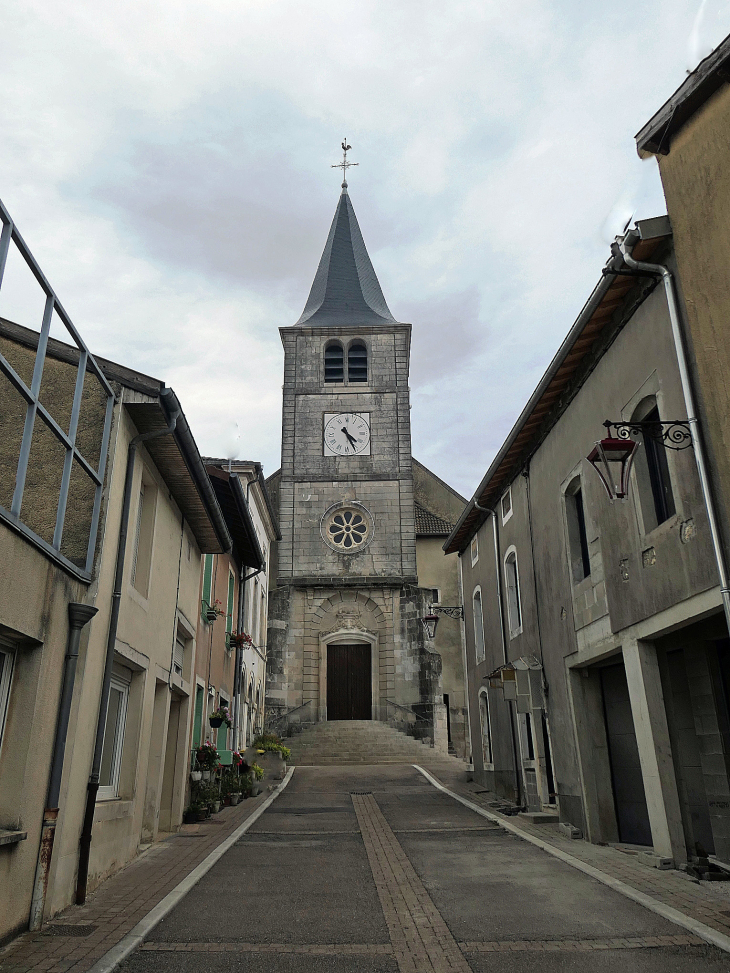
(707, 902)
(80, 935)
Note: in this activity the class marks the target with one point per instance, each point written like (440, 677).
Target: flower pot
(255, 790)
(211, 615)
(227, 801)
(201, 815)
(235, 799)
(215, 721)
(205, 774)
(196, 775)
(216, 806)
(190, 817)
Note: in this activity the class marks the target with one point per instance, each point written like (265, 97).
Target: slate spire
(345, 289)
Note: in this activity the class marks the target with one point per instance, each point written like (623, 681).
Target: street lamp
(431, 619)
(612, 459)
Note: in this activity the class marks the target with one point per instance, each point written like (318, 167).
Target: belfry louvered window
(334, 363)
(357, 363)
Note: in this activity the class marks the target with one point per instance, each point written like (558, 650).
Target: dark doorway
(349, 689)
(632, 816)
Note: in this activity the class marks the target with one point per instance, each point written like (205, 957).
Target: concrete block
(655, 861)
(569, 830)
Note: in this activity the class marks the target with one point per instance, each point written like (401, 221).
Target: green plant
(271, 743)
(245, 786)
(207, 756)
(222, 714)
(258, 771)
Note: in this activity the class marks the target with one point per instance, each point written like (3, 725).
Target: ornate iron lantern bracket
(671, 433)
(431, 619)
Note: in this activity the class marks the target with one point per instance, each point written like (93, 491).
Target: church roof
(345, 289)
(430, 525)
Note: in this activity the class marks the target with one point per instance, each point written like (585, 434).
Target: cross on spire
(344, 165)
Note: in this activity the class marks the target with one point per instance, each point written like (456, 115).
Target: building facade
(597, 650)
(345, 636)
(105, 509)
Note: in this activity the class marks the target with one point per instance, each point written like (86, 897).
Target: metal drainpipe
(93, 785)
(668, 281)
(78, 615)
(515, 754)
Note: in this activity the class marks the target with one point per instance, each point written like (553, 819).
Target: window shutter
(136, 533)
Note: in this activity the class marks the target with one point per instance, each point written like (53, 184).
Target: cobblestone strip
(579, 945)
(422, 942)
(318, 949)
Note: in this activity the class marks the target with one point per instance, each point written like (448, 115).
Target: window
(474, 549)
(178, 655)
(652, 470)
(580, 561)
(486, 729)
(512, 582)
(479, 648)
(142, 556)
(334, 362)
(207, 580)
(7, 661)
(435, 596)
(116, 719)
(506, 505)
(229, 606)
(357, 362)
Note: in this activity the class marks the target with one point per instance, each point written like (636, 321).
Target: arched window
(357, 362)
(652, 470)
(479, 648)
(512, 583)
(485, 728)
(334, 362)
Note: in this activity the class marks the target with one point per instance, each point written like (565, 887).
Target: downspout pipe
(93, 785)
(78, 616)
(660, 270)
(498, 569)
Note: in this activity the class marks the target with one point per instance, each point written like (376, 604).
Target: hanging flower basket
(241, 640)
(213, 611)
(220, 716)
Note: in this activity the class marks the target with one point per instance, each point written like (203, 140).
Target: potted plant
(240, 640)
(206, 756)
(213, 611)
(196, 775)
(220, 716)
(257, 775)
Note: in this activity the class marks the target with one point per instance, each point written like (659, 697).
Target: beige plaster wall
(696, 179)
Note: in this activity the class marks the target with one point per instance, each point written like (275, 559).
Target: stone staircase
(343, 742)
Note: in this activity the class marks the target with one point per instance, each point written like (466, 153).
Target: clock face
(347, 434)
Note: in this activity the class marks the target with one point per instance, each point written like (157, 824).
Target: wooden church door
(349, 688)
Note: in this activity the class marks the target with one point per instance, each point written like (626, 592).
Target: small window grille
(334, 363)
(357, 363)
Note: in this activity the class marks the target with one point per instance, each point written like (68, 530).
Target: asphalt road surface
(372, 870)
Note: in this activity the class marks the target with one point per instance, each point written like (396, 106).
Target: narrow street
(373, 869)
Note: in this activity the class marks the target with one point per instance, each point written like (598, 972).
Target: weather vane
(344, 165)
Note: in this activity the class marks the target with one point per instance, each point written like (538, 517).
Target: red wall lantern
(612, 460)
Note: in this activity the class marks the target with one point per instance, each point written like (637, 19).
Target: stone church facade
(345, 637)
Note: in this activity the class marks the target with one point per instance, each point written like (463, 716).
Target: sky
(169, 164)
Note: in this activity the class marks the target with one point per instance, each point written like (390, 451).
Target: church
(362, 522)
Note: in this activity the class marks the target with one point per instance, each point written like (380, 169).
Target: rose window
(347, 527)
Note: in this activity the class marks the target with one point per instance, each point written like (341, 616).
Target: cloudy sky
(168, 163)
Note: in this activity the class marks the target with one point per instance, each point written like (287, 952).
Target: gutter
(78, 616)
(174, 413)
(625, 245)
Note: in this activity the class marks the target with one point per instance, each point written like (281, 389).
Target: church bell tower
(345, 640)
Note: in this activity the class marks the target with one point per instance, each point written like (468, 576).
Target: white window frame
(480, 648)
(506, 516)
(474, 549)
(514, 630)
(110, 792)
(9, 651)
(487, 749)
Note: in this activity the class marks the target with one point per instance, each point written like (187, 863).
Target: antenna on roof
(344, 165)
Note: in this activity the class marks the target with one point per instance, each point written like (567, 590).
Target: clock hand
(352, 440)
